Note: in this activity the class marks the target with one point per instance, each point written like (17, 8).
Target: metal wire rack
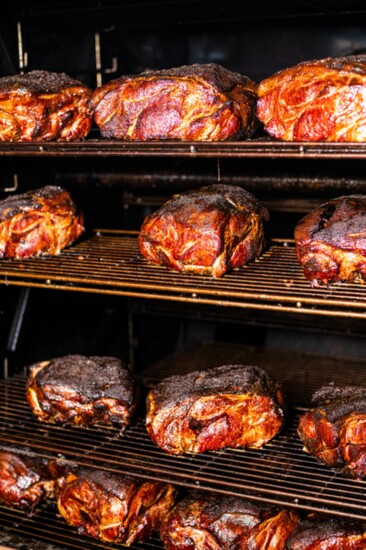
(108, 262)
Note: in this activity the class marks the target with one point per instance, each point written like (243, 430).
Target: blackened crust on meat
(39, 82)
(311, 532)
(214, 197)
(351, 63)
(344, 217)
(226, 523)
(337, 403)
(339, 222)
(228, 379)
(220, 77)
(327, 394)
(208, 231)
(214, 521)
(93, 377)
(118, 485)
(215, 506)
(334, 430)
(30, 200)
(331, 240)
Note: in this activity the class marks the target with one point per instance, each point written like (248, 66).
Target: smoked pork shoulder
(38, 223)
(114, 507)
(44, 106)
(334, 429)
(189, 103)
(318, 100)
(80, 390)
(211, 522)
(226, 406)
(25, 479)
(208, 231)
(328, 534)
(331, 241)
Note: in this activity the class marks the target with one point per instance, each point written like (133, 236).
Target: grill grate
(46, 530)
(260, 148)
(108, 262)
(280, 473)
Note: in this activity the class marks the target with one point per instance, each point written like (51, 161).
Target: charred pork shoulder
(80, 390)
(112, 507)
(208, 231)
(328, 534)
(227, 406)
(39, 222)
(320, 100)
(334, 431)
(209, 522)
(331, 241)
(189, 103)
(25, 479)
(43, 106)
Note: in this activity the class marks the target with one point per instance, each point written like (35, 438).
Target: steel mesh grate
(280, 473)
(109, 262)
(45, 529)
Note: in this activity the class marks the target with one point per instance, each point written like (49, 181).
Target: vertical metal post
(22, 55)
(16, 326)
(131, 337)
(98, 59)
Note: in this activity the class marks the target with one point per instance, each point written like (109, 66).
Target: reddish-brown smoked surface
(189, 103)
(319, 100)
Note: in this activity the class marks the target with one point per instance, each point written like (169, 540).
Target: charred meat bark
(227, 406)
(44, 106)
(209, 522)
(334, 431)
(112, 507)
(80, 390)
(37, 223)
(328, 534)
(208, 231)
(189, 103)
(319, 100)
(26, 479)
(331, 241)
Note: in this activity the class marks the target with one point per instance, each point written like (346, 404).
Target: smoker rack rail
(108, 262)
(280, 473)
(255, 148)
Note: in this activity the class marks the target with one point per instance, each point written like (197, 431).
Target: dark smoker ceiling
(184, 11)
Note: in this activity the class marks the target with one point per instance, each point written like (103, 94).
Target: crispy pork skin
(25, 479)
(189, 103)
(208, 231)
(112, 507)
(319, 100)
(328, 534)
(38, 223)
(80, 390)
(334, 430)
(213, 522)
(226, 406)
(331, 241)
(44, 106)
